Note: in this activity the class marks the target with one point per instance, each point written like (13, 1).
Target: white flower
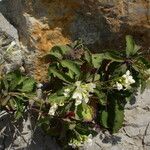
(119, 86)
(78, 102)
(127, 80)
(77, 95)
(91, 87)
(82, 91)
(66, 92)
(78, 83)
(89, 141)
(86, 96)
(53, 109)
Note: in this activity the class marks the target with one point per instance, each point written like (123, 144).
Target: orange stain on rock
(54, 31)
(45, 41)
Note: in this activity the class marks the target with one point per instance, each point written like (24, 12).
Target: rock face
(39, 25)
(102, 24)
(8, 28)
(11, 57)
(135, 135)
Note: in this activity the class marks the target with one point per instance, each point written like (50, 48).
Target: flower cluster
(82, 92)
(82, 139)
(125, 81)
(53, 109)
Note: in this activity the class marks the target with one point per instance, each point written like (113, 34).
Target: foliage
(15, 92)
(85, 90)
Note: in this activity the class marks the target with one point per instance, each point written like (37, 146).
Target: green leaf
(113, 56)
(97, 60)
(84, 112)
(54, 98)
(18, 114)
(71, 65)
(70, 74)
(115, 115)
(112, 115)
(60, 75)
(59, 51)
(119, 70)
(28, 85)
(15, 79)
(131, 47)
(104, 118)
(118, 120)
(101, 97)
(96, 77)
(12, 103)
(88, 56)
(55, 54)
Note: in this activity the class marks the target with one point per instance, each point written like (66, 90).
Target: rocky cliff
(37, 25)
(102, 24)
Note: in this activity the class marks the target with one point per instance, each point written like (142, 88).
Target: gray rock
(136, 133)
(8, 28)
(100, 23)
(10, 58)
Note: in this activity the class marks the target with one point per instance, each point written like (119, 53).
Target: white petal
(128, 73)
(66, 94)
(86, 99)
(78, 83)
(78, 102)
(77, 95)
(55, 106)
(119, 86)
(67, 90)
(131, 80)
(90, 87)
(89, 141)
(53, 109)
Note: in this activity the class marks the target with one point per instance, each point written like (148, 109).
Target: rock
(139, 102)
(101, 24)
(11, 56)
(22, 135)
(6, 27)
(135, 135)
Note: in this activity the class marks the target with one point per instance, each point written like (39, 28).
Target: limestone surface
(38, 25)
